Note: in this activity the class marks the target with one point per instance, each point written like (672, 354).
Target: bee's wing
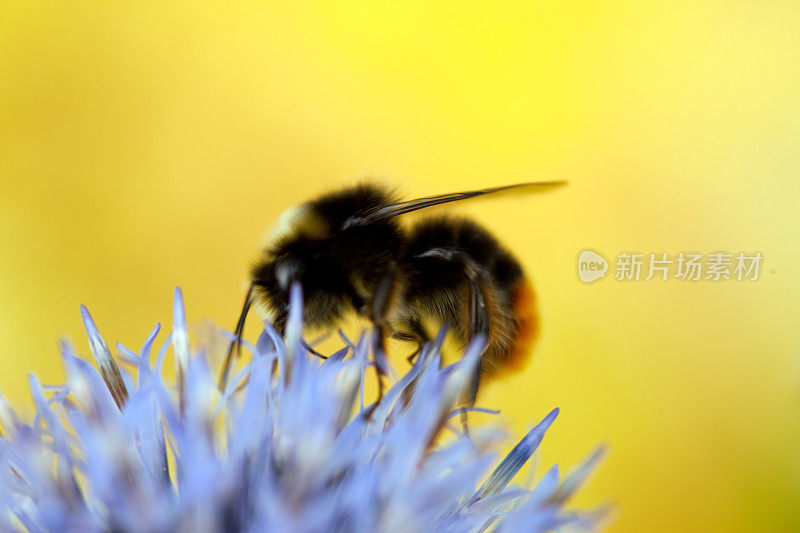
(400, 208)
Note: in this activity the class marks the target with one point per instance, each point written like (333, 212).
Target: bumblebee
(349, 252)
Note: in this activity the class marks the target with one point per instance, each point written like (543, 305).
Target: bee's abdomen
(512, 351)
(442, 252)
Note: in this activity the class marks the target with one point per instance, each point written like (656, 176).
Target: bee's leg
(413, 356)
(478, 319)
(379, 356)
(236, 343)
(310, 349)
(356, 300)
(381, 306)
(413, 332)
(478, 323)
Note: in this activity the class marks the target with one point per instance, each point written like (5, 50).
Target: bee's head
(272, 280)
(309, 263)
(287, 271)
(289, 251)
(279, 274)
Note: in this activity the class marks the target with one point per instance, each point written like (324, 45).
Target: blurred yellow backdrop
(148, 145)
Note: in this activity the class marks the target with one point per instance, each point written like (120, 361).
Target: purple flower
(288, 446)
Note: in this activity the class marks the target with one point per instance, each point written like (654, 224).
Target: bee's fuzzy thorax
(299, 221)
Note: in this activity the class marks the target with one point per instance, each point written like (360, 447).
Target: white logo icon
(591, 266)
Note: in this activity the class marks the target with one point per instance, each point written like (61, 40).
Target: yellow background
(145, 145)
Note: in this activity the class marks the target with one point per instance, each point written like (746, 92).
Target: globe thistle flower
(289, 445)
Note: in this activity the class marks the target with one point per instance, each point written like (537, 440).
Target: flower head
(289, 445)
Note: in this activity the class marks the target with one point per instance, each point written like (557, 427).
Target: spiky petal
(108, 367)
(287, 446)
